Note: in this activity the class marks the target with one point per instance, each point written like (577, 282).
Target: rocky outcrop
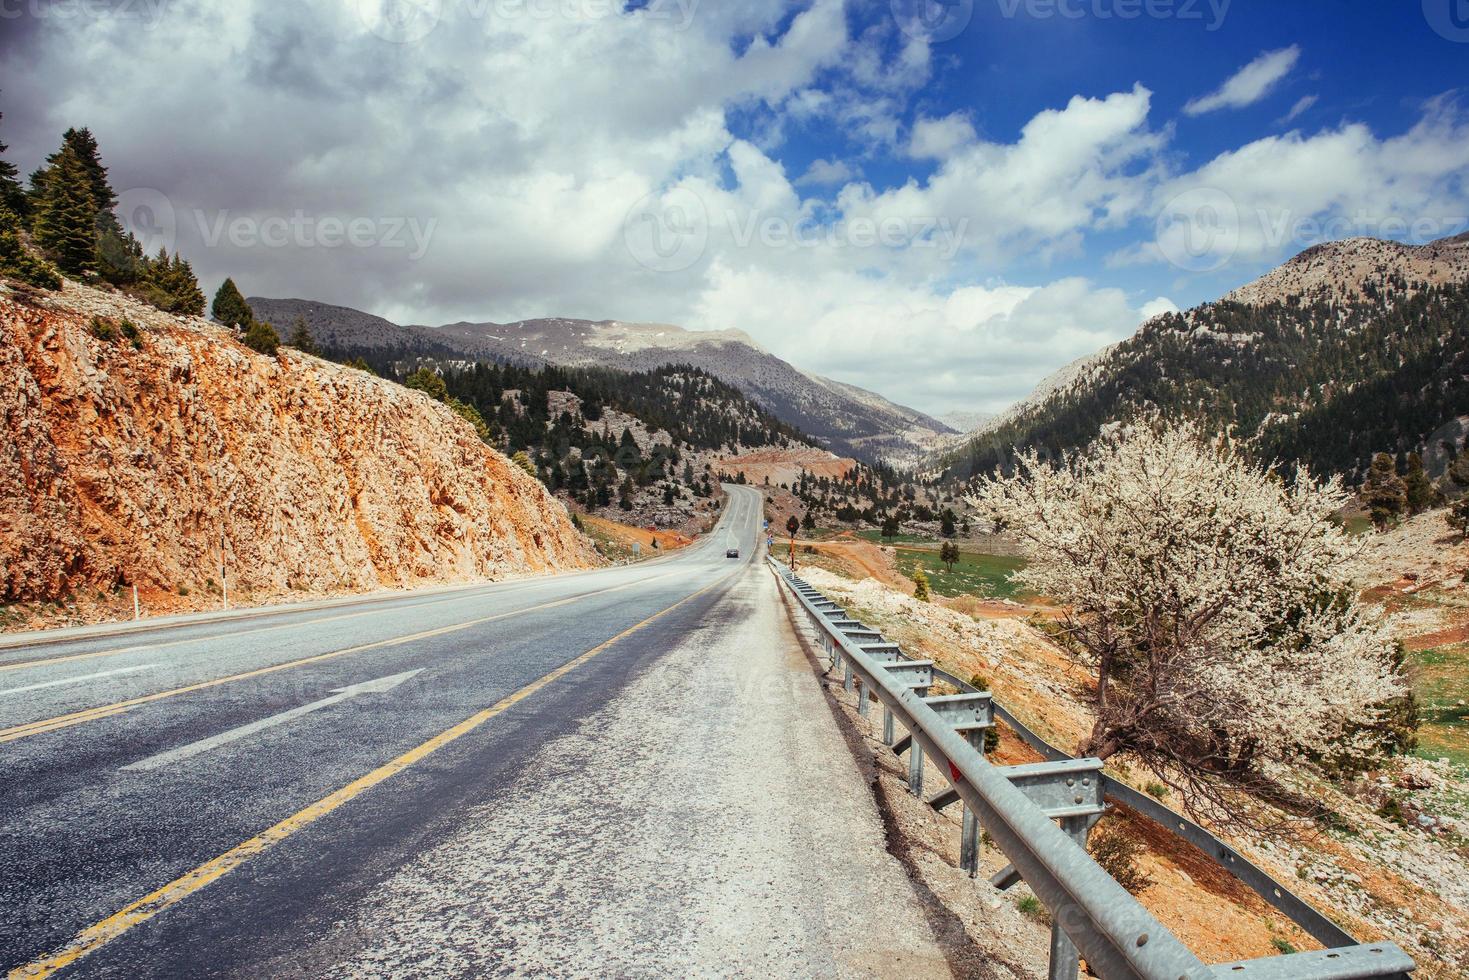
(1343, 271)
(149, 460)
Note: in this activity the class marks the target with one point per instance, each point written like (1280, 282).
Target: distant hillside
(848, 420)
(1348, 349)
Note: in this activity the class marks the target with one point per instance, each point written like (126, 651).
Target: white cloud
(824, 173)
(1303, 104)
(531, 184)
(1248, 85)
(1279, 195)
(937, 139)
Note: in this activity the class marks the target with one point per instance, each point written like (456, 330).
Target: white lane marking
(379, 686)
(78, 680)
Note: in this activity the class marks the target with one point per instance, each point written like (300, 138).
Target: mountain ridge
(849, 420)
(1344, 350)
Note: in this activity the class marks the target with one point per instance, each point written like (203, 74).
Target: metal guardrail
(1039, 816)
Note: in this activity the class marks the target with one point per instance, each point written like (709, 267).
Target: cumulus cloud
(823, 173)
(619, 164)
(1248, 85)
(938, 139)
(1276, 196)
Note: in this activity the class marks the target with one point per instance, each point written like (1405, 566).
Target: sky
(940, 200)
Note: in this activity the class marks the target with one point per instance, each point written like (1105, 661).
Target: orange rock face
(143, 462)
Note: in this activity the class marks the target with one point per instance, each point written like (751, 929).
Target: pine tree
(229, 307)
(65, 224)
(188, 298)
(17, 261)
(1383, 491)
(302, 340)
(1416, 486)
(12, 195)
(949, 554)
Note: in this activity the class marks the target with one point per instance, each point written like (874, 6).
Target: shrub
(1117, 853)
(262, 338)
(920, 585)
(1282, 946)
(103, 329)
(18, 262)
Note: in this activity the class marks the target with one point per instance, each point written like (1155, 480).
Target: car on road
(732, 553)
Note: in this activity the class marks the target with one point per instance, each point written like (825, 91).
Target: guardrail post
(888, 735)
(847, 676)
(862, 695)
(915, 768)
(969, 832)
(969, 844)
(1065, 961)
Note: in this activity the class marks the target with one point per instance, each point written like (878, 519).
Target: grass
(875, 536)
(974, 573)
(1441, 681)
(1032, 909)
(612, 545)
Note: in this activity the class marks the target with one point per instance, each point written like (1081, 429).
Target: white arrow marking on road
(379, 686)
(78, 680)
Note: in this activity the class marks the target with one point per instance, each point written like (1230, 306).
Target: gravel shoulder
(710, 820)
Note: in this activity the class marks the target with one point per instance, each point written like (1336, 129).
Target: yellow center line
(99, 934)
(107, 710)
(136, 647)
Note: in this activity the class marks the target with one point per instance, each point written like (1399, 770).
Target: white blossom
(1209, 595)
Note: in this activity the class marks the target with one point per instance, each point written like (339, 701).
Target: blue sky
(943, 202)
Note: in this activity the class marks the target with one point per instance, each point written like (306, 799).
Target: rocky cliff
(150, 458)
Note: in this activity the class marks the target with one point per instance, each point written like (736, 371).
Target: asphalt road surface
(623, 772)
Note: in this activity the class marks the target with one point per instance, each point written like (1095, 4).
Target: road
(626, 771)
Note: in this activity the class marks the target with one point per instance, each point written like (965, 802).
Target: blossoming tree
(1209, 598)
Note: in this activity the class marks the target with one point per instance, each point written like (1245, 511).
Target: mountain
(846, 419)
(965, 421)
(146, 449)
(1348, 349)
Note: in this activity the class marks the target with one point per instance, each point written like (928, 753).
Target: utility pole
(224, 580)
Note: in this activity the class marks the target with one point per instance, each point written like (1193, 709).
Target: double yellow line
(108, 710)
(145, 908)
